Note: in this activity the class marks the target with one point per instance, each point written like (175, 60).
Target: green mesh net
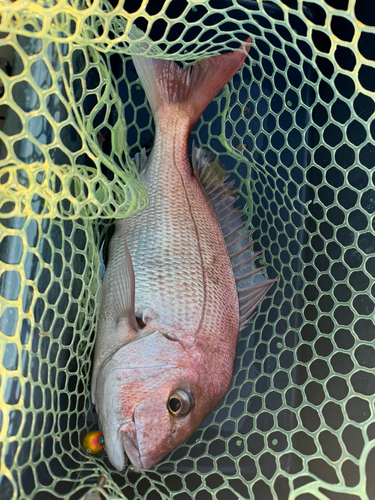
(296, 128)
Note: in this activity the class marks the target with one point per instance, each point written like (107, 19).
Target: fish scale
(180, 231)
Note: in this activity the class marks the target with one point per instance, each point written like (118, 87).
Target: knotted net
(296, 128)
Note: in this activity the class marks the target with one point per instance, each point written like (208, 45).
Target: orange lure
(93, 442)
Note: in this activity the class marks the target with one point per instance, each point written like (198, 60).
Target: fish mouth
(117, 455)
(125, 451)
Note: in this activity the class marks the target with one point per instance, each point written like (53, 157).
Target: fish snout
(127, 432)
(116, 453)
(154, 431)
(121, 446)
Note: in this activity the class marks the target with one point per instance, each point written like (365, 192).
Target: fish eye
(180, 403)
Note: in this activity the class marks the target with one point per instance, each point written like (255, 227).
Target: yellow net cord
(295, 128)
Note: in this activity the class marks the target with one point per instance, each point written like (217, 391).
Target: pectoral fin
(120, 277)
(117, 324)
(140, 160)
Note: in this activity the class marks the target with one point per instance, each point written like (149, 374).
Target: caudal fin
(166, 84)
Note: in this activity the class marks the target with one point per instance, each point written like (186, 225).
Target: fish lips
(122, 448)
(125, 448)
(152, 445)
(120, 437)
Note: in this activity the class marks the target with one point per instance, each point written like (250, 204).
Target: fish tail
(167, 85)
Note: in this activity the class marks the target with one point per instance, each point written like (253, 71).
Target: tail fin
(166, 84)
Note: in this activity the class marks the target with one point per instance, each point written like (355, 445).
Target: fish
(180, 282)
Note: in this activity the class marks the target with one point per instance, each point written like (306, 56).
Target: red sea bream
(181, 279)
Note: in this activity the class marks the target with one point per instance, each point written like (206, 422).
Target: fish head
(151, 395)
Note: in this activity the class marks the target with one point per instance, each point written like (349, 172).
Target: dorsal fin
(251, 283)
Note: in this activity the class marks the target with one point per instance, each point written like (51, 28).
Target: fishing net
(296, 128)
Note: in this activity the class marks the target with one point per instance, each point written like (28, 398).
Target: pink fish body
(170, 307)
